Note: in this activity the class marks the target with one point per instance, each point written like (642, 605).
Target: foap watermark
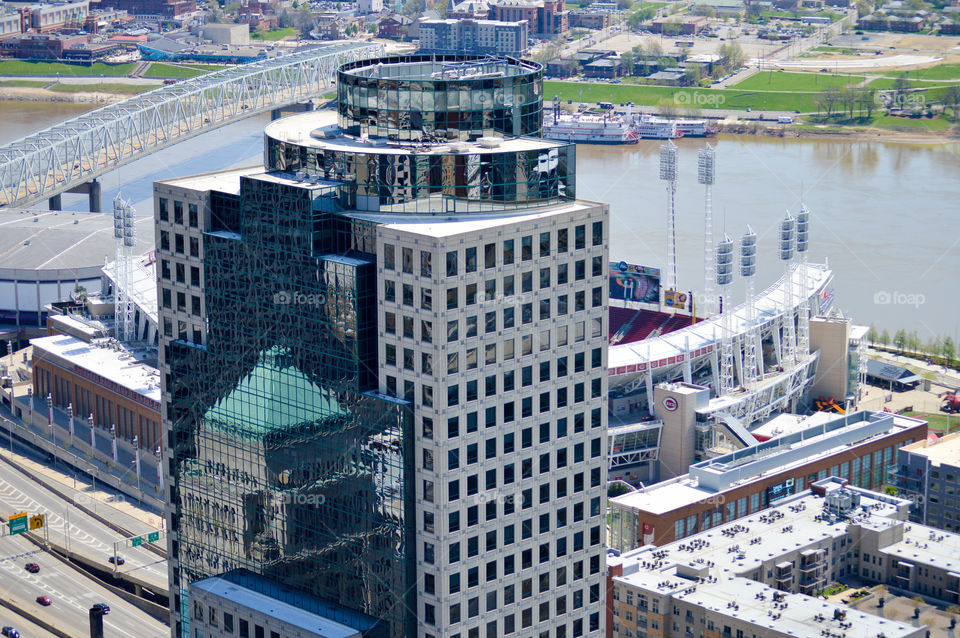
(297, 298)
(501, 497)
(299, 498)
(698, 98)
(896, 298)
(900, 99)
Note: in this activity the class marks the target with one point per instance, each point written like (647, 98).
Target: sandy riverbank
(34, 94)
(852, 133)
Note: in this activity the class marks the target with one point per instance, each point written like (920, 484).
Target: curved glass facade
(440, 97)
(438, 183)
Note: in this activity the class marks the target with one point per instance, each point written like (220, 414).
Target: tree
(863, 8)
(872, 334)
(304, 21)
(285, 21)
(691, 74)
(900, 339)
(900, 86)
(640, 15)
(885, 337)
(948, 348)
(628, 60)
(951, 97)
(731, 55)
(413, 8)
(704, 10)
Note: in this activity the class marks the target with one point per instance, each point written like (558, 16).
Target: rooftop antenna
(668, 174)
(788, 340)
(748, 269)
(706, 175)
(724, 279)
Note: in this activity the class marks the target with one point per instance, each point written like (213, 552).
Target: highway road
(26, 628)
(19, 493)
(71, 591)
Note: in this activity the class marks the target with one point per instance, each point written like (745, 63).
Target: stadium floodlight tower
(706, 175)
(788, 351)
(724, 279)
(748, 270)
(668, 174)
(803, 319)
(125, 238)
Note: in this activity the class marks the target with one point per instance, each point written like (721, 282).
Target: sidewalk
(120, 509)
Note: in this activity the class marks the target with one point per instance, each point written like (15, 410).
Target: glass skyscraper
(384, 364)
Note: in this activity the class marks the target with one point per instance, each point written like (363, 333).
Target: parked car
(44, 600)
(33, 568)
(116, 560)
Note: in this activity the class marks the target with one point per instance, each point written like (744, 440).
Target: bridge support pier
(92, 189)
(300, 107)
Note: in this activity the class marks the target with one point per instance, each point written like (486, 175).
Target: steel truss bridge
(71, 154)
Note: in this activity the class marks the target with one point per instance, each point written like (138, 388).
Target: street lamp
(70, 414)
(53, 438)
(30, 404)
(93, 443)
(113, 441)
(136, 462)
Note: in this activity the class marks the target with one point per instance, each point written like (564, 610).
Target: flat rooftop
(46, 240)
(273, 608)
(142, 287)
(127, 368)
(227, 181)
(780, 454)
(319, 129)
(449, 225)
(713, 568)
(943, 450)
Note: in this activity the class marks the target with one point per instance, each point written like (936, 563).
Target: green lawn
(279, 34)
(20, 67)
(680, 97)
(786, 81)
(939, 72)
(105, 87)
(887, 83)
(160, 70)
(939, 422)
(910, 124)
(35, 84)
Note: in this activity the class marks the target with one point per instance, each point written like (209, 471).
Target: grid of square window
(179, 268)
(500, 344)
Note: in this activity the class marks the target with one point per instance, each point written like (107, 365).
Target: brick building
(117, 386)
(857, 447)
(545, 17)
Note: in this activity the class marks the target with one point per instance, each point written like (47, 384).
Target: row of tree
(940, 347)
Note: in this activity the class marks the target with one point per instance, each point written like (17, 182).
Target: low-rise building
(11, 23)
(685, 25)
(118, 385)
(474, 36)
(475, 9)
(761, 575)
(928, 473)
(857, 447)
(588, 19)
(251, 605)
(393, 26)
(46, 17)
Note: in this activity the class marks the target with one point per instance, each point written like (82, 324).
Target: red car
(44, 600)
(33, 568)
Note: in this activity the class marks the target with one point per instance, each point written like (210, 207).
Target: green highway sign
(153, 537)
(136, 542)
(18, 523)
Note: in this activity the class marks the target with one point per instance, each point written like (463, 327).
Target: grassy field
(105, 87)
(786, 81)
(938, 421)
(908, 124)
(20, 67)
(161, 70)
(939, 72)
(34, 84)
(680, 97)
(279, 34)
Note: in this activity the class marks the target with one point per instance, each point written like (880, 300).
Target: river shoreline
(853, 134)
(35, 94)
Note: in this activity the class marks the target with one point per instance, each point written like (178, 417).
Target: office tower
(384, 360)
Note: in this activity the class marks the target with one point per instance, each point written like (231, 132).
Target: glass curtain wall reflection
(286, 462)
